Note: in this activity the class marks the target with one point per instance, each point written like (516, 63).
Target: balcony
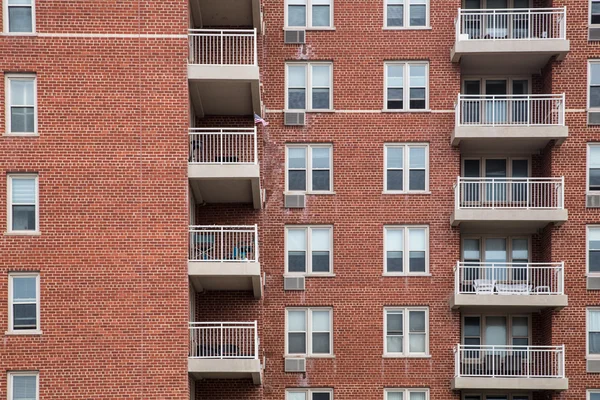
(526, 286)
(500, 204)
(223, 72)
(223, 165)
(224, 350)
(225, 258)
(510, 368)
(501, 123)
(519, 40)
(238, 13)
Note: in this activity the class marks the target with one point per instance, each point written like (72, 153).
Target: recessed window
(309, 14)
(24, 302)
(406, 250)
(309, 86)
(593, 173)
(593, 249)
(594, 12)
(406, 167)
(593, 394)
(593, 332)
(407, 394)
(309, 168)
(309, 394)
(21, 110)
(594, 84)
(23, 205)
(309, 332)
(406, 332)
(20, 16)
(309, 250)
(23, 385)
(406, 13)
(406, 86)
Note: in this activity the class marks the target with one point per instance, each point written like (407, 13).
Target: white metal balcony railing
(510, 110)
(508, 278)
(514, 193)
(223, 146)
(510, 361)
(220, 340)
(211, 243)
(512, 23)
(222, 47)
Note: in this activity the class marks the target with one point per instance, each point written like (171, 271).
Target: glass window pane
(594, 238)
(593, 396)
(24, 316)
(416, 261)
(320, 75)
(418, 15)
(320, 239)
(417, 157)
(22, 119)
(297, 157)
(394, 322)
(394, 239)
(23, 218)
(320, 16)
(495, 250)
(21, 92)
(417, 99)
(297, 99)
(296, 15)
(595, 73)
(297, 76)
(297, 180)
(594, 340)
(320, 99)
(20, 19)
(594, 320)
(320, 180)
(321, 396)
(416, 343)
(520, 326)
(495, 331)
(24, 387)
(416, 180)
(416, 321)
(296, 395)
(297, 239)
(297, 343)
(394, 261)
(471, 249)
(296, 261)
(395, 15)
(594, 160)
(395, 395)
(23, 190)
(394, 180)
(395, 100)
(395, 157)
(520, 249)
(320, 261)
(395, 75)
(594, 179)
(417, 395)
(472, 326)
(320, 157)
(416, 239)
(417, 75)
(320, 321)
(594, 261)
(320, 343)
(394, 344)
(297, 321)
(19, 2)
(24, 288)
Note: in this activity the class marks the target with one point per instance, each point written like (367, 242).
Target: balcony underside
(203, 368)
(231, 13)
(481, 383)
(224, 90)
(226, 183)
(498, 220)
(524, 303)
(500, 56)
(226, 276)
(507, 138)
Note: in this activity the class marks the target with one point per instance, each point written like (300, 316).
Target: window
(20, 16)
(594, 12)
(406, 168)
(308, 394)
(320, 14)
(406, 13)
(309, 168)
(21, 110)
(415, 239)
(309, 250)
(593, 394)
(308, 86)
(496, 329)
(411, 342)
(23, 210)
(594, 84)
(593, 249)
(23, 385)
(406, 86)
(309, 331)
(406, 394)
(593, 173)
(24, 302)
(593, 332)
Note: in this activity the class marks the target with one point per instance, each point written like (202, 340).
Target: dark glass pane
(417, 15)
(320, 180)
(416, 262)
(19, 19)
(24, 316)
(320, 396)
(23, 218)
(594, 261)
(475, 341)
(395, 99)
(395, 15)
(320, 99)
(594, 340)
(320, 261)
(520, 342)
(297, 343)
(595, 19)
(594, 178)
(472, 326)
(394, 180)
(394, 261)
(297, 99)
(394, 323)
(417, 99)
(595, 96)
(22, 119)
(296, 261)
(297, 180)
(416, 180)
(320, 343)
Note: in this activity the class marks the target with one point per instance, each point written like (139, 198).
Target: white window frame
(406, 392)
(406, 17)
(12, 374)
(6, 22)
(7, 80)
(405, 250)
(309, 392)
(589, 393)
(9, 204)
(309, 168)
(406, 353)
(309, 86)
(587, 250)
(309, 26)
(405, 168)
(405, 86)
(11, 329)
(588, 355)
(590, 13)
(509, 325)
(308, 236)
(587, 167)
(309, 332)
(589, 81)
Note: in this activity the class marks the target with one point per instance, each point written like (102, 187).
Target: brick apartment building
(418, 221)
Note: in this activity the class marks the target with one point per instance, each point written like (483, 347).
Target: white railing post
(458, 24)
(528, 358)
(255, 147)
(562, 110)
(458, 111)
(457, 356)
(255, 340)
(457, 192)
(256, 243)
(493, 361)
(561, 279)
(255, 39)
(563, 28)
(457, 278)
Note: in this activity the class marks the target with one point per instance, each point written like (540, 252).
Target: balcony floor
(479, 383)
(226, 276)
(474, 220)
(226, 183)
(206, 368)
(524, 303)
(504, 139)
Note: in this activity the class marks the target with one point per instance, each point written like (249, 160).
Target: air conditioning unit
(294, 201)
(294, 37)
(592, 200)
(294, 118)
(593, 34)
(593, 118)
(293, 283)
(295, 365)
